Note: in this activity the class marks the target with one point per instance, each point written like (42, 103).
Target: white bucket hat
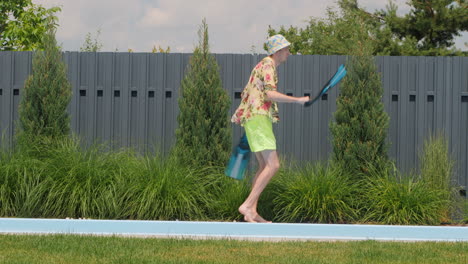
(275, 43)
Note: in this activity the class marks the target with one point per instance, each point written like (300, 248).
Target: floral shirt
(254, 98)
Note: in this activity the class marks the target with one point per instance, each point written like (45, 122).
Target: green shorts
(259, 131)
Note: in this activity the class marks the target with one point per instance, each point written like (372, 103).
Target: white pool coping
(233, 230)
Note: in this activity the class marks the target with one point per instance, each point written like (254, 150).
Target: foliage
(360, 127)
(159, 49)
(203, 136)
(91, 45)
(229, 196)
(314, 193)
(23, 23)
(93, 182)
(402, 199)
(71, 181)
(436, 164)
(167, 191)
(437, 170)
(21, 190)
(43, 112)
(427, 30)
(465, 212)
(333, 35)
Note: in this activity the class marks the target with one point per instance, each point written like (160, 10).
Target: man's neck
(275, 61)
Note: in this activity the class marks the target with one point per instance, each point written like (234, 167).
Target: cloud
(154, 17)
(234, 26)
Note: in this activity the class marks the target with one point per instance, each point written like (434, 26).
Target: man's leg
(261, 166)
(249, 207)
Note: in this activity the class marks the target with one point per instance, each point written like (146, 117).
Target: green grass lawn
(90, 249)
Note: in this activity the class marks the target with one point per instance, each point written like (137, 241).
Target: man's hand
(303, 100)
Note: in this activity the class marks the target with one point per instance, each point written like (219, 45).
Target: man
(256, 113)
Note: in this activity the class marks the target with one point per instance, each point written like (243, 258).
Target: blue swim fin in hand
(239, 160)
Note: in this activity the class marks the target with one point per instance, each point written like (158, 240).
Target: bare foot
(249, 215)
(260, 219)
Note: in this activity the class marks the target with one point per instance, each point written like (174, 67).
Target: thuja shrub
(203, 136)
(43, 116)
(359, 130)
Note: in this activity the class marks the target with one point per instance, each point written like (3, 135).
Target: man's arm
(282, 98)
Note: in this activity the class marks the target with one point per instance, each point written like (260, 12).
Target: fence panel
(130, 100)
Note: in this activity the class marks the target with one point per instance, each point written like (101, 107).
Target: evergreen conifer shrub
(43, 116)
(360, 128)
(203, 136)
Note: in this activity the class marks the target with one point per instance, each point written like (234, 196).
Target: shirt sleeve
(270, 79)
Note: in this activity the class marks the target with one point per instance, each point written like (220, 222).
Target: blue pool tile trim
(258, 231)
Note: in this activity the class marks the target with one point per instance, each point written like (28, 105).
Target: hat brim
(278, 48)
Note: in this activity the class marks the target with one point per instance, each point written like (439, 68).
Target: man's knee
(271, 160)
(274, 166)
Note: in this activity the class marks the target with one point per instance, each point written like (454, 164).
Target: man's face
(283, 54)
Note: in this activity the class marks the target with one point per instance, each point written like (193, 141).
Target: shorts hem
(263, 150)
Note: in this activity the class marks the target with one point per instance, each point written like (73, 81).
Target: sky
(234, 26)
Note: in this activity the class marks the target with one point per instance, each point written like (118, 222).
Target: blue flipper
(239, 160)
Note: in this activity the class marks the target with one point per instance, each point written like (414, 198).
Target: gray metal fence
(130, 99)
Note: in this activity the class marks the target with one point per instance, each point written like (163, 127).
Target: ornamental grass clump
(229, 195)
(164, 190)
(314, 194)
(22, 185)
(81, 182)
(393, 198)
(70, 181)
(436, 168)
